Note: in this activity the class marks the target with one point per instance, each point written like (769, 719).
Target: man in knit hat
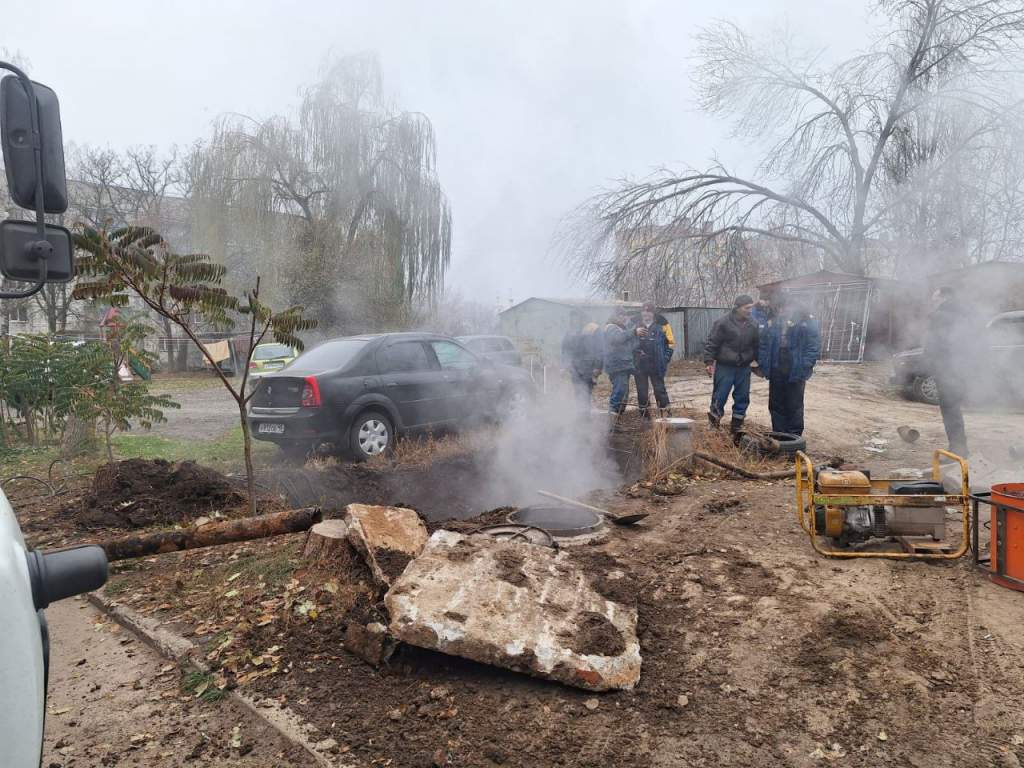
(730, 349)
(652, 357)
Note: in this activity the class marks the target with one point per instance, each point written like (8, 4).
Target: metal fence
(691, 327)
(843, 312)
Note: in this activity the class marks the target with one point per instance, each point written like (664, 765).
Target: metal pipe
(782, 474)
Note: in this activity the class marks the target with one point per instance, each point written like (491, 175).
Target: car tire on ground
(925, 389)
(371, 434)
(515, 404)
(788, 444)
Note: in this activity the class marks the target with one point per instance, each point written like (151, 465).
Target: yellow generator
(852, 507)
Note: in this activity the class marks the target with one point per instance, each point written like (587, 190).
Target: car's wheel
(371, 435)
(788, 444)
(516, 404)
(926, 389)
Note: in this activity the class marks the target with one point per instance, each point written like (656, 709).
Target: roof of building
(824, 277)
(1015, 266)
(580, 303)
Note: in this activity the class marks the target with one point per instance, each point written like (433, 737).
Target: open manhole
(560, 522)
(530, 534)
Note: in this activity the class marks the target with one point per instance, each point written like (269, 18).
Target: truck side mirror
(20, 142)
(20, 257)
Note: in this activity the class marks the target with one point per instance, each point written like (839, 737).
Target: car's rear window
(330, 354)
(270, 351)
(477, 345)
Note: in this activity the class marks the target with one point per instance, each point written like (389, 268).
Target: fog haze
(535, 104)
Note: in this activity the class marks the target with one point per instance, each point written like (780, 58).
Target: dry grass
(660, 457)
(424, 450)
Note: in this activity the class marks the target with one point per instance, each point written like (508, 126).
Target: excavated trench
(458, 487)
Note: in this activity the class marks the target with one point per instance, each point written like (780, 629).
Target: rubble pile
(517, 606)
(510, 604)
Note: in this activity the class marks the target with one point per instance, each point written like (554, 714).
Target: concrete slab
(387, 538)
(518, 606)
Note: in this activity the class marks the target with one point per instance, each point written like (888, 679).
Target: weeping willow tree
(339, 205)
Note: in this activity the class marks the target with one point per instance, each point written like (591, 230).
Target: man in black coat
(730, 349)
(949, 349)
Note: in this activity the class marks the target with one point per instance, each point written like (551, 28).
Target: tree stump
(327, 546)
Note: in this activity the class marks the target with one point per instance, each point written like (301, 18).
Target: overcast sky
(535, 104)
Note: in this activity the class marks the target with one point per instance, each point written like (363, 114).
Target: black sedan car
(996, 377)
(359, 393)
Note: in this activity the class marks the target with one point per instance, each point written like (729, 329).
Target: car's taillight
(252, 365)
(310, 393)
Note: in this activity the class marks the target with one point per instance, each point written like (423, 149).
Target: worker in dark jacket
(789, 347)
(651, 360)
(620, 342)
(949, 349)
(730, 349)
(581, 358)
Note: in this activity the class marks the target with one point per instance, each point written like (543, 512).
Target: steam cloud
(554, 447)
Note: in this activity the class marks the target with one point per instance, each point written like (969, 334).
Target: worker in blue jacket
(651, 358)
(620, 343)
(789, 348)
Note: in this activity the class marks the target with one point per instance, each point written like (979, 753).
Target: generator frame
(807, 498)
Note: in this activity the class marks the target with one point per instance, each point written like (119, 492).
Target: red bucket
(1007, 549)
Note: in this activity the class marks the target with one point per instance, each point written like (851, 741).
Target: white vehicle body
(22, 672)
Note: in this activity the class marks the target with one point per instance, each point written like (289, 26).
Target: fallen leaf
(234, 576)
(231, 593)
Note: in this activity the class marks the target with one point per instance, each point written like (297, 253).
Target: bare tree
(819, 186)
(143, 187)
(347, 189)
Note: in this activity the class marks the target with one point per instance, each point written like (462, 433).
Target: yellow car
(268, 358)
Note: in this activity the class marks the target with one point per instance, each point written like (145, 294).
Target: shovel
(617, 519)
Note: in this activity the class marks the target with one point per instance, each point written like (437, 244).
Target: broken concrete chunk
(517, 606)
(387, 537)
(369, 642)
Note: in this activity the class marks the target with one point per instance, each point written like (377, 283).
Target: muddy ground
(115, 701)
(755, 650)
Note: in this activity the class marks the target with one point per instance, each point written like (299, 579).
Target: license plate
(270, 429)
(274, 366)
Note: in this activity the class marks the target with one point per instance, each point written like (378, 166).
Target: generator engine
(849, 524)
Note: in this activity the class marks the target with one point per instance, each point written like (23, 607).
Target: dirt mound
(447, 488)
(138, 493)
